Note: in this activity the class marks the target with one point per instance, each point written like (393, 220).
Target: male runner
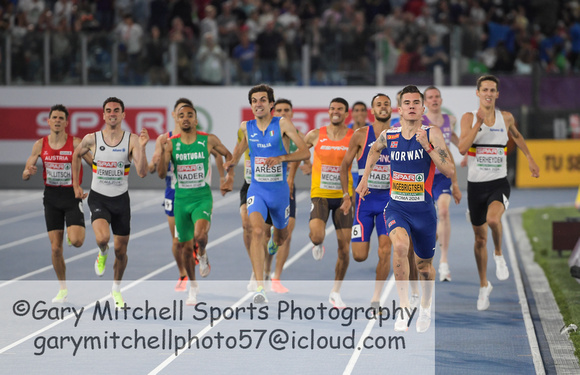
(168, 203)
(113, 151)
(484, 137)
(60, 205)
(268, 139)
(414, 151)
(369, 212)
(190, 152)
(443, 186)
(330, 145)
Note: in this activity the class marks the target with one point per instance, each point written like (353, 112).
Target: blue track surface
(464, 341)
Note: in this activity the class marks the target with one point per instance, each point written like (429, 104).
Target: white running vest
(487, 155)
(111, 166)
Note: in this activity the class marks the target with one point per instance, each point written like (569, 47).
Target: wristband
(430, 148)
(345, 195)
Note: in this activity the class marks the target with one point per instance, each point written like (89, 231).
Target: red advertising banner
(306, 119)
(31, 123)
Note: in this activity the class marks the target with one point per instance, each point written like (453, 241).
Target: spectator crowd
(249, 41)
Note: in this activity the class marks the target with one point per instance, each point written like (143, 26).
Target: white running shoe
(191, 297)
(402, 321)
(501, 270)
(204, 267)
(483, 299)
(424, 320)
(336, 301)
(61, 296)
(318, 252)
(414, 301)
(444, 273)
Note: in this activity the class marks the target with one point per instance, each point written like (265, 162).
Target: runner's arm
(30, 166)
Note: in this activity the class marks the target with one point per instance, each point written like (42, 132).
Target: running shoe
(424, 320)
(119, 303)
(376, 307)
(204, 267)
(272, 247)
(414, 301)
(318, 252)
(100, 262)
(402, 321)
(501, 269)
(181, 285)
(61, 296)
(260, 296)
(483, 299)
(191, 297)
(68, 242)
(336, 301)
(444, 273)
(277, 287)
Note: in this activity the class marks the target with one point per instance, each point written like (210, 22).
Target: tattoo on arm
(443, 155)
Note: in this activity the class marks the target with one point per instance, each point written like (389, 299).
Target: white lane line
(367, 331)
(26, 198)
(528, 323)
(38, 236)
(94, 250)
(127, 287)
(16, 219)
(207, 328)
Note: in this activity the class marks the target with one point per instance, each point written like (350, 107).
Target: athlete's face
(487, 94)
(186, 119)
(284, 110)
(176, 111)
(337, 112)
(261, 106)
(433, 100)
(382, 108)
(411, 106)
(113, 114)
(57, 121)
(359, 114)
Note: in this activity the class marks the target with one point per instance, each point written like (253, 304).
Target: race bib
(330, 177)
(408, 187)
(58, 174)
(380, 177)
(490, 158)
(110, 172)
(248, 171)
(263, 173)
(190, 176)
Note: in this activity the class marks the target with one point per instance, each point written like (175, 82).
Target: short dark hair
(376, 96)
(341, 101)
(488, 77)
(262, 88)
(58, 107)
(112, 99)
(412, 89)
(182, 101)
(186, 103)
(283, 101)
(359, 103)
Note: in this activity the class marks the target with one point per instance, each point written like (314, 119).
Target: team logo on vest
(393, 136)
(102, 148)
(394, 144)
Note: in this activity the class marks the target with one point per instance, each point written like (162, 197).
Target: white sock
(116, 287)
